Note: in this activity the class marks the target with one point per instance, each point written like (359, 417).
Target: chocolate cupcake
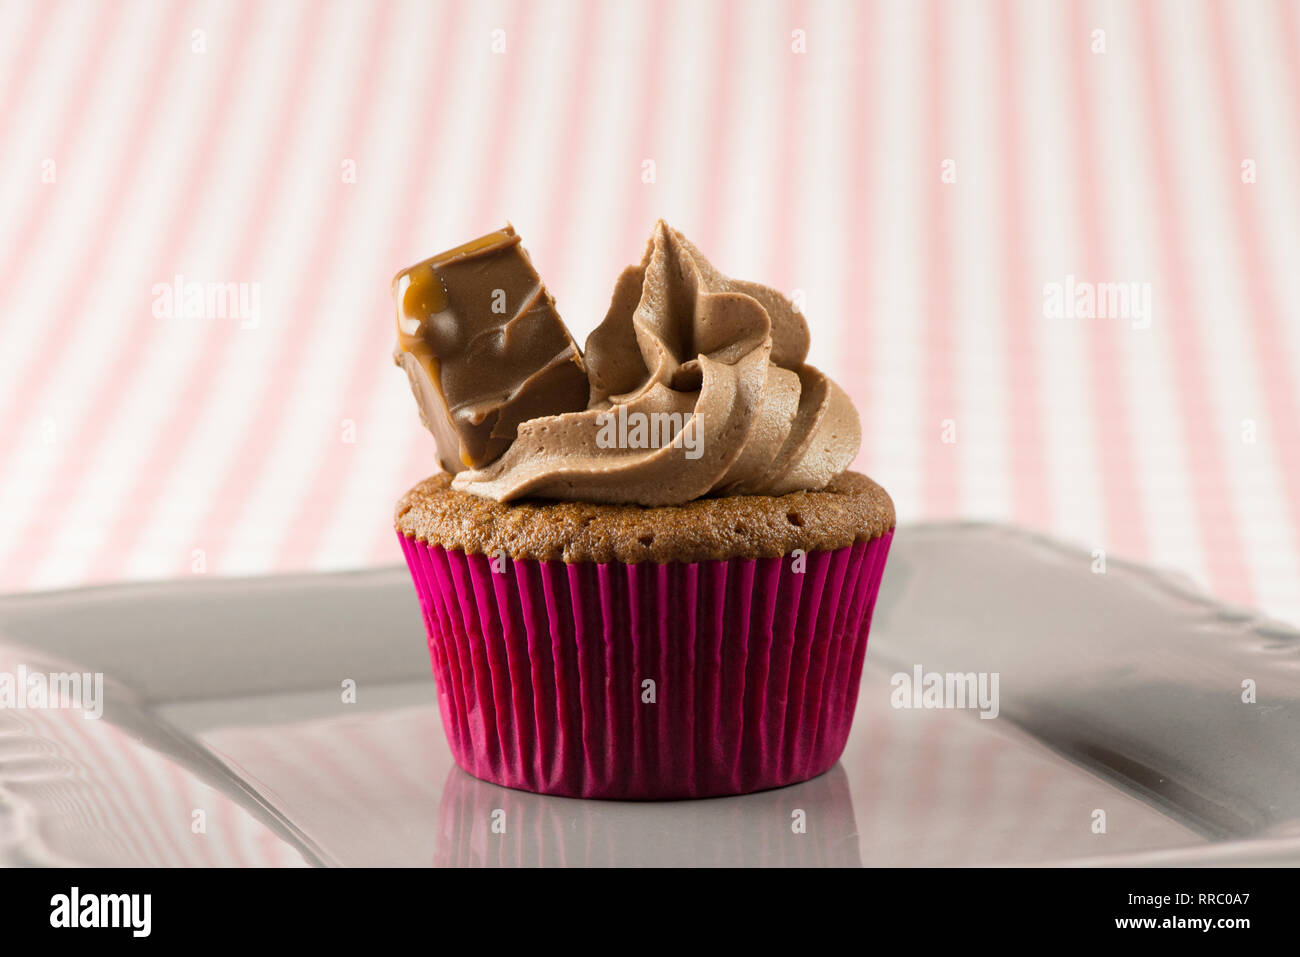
(644, 572)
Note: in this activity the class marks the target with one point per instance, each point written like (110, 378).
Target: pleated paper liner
(647, 681)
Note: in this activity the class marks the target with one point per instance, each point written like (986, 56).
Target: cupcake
(644, 569)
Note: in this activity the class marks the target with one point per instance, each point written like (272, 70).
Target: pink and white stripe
(132, 442)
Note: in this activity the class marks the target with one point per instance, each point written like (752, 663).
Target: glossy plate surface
(225, 737)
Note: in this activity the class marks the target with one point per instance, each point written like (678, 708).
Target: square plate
(292, 720)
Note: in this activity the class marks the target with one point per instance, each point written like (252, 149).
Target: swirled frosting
(711, 366)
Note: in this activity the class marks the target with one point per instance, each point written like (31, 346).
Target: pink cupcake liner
(540, 668)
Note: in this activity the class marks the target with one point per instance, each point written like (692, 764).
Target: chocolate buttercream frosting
(698, 386)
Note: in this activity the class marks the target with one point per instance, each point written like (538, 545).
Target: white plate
(226, 739)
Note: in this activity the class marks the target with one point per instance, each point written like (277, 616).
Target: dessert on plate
(644, 568)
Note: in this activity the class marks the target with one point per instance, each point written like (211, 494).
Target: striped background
(210, 139)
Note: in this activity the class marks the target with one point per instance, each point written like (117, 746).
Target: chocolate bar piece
(484, 348)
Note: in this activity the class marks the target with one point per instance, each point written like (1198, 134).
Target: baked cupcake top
(852, 508)
(693, 389)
